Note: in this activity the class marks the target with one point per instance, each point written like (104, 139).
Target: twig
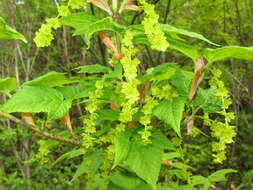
(167, 11)
(37, 130)
(141, 12)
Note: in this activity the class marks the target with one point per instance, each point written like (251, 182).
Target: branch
(37, 130)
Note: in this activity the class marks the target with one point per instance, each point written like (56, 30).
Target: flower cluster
(152, 28)
(92, 107)
(44, 36)
(129, 87)
(221, 130)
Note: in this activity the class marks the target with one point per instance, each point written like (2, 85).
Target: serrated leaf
(59, 111)
(80, 90)
(161, 72)
(125, 180)
(171, 111)
(97, 68)
(122, 146)
(190, 51)
(207, 100)
(87, 24)
(171, 29)
(108, 115)
(76, 20)
(116, 73)
(7, 84)
(182, 83)
(171, 155)
(86, 166)
(179, 173)
(82, 168)
(200, 180)
(50, 79)
(6, 32)
(220, 175)
(145, 160)
(187, 49)
(35, 99)
(226, 52)
(69, 155)
(105, 24)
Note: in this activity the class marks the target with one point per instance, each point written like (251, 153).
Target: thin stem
(141, 12)
(36, 129)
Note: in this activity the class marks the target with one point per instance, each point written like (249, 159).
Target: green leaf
(171, 111)
(69, 155)
(181, 174)
(82, 168)
(176, 44)
(171, 29)
(190, 51)
(207, 100)
(125, 180)
(50, 79)
(237, 52)
(171, 155)
(6, 32)
(200, 180)
(116, 73)
(90, 164)
(97, 68)
(7, 84)
(108, 115)
(35, 99)
(161, 72)
(80, 90)
(76, 20)
(182, 83)
(86, 24)
(122, 146)
(220, 175)
(145, 160)
(105, 24)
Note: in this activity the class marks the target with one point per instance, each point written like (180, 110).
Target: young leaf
(182, 83)
(220, 175)
(106, 24)
(237, 52)
(69, 155)
(80, 90)
(116, 73)
(200, 180)
(171, 29)
(161, 72)
(125, 180)
(96, 160)
(145, 160)
(97, 68)
(76, 20)
(6, 32)
(171, 111)
(188, 50)
(34, 99)
(108, 115)
(207, 100)
(122, 147)
(50, 79)
(82, 168)
(7, 84)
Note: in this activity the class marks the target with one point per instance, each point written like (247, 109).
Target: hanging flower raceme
(152, 28)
